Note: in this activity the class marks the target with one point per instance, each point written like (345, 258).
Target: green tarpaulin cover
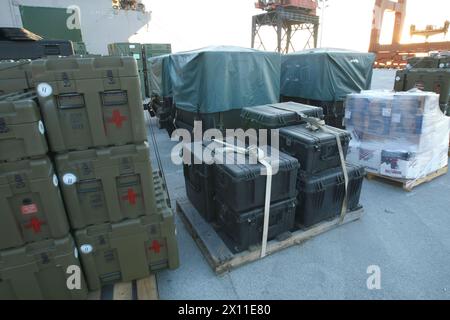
(160, 83)
(219, 79)
(326, 74)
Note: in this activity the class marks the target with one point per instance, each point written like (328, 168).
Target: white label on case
(69, 179)
(348, 114)
(86, 249)
(55, 180)
(397, 78)
(41, 127)
(396, 117)
(132, 46)
(386, 112)
(44, 90)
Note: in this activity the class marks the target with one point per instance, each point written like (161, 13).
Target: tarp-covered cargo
(219, 79)
(159, 76)
(326, 74)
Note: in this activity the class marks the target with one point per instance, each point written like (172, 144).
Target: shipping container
(316, 150)
(31, 203)
(90, 101)
(321, 195)
(107, 185)
(245, 229)
(42, 271)
(131, 249)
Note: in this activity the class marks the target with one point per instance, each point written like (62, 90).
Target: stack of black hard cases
(232, 196)
(320, 183)
(308, 188)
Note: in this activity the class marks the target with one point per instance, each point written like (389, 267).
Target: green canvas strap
(260, 156)
(315, 124)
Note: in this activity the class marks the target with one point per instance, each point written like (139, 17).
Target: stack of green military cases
(117, 206)
(141, 53)
(113, 203)
(427, 74)
(37, 252)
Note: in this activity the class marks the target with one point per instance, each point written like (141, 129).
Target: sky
(347, 24)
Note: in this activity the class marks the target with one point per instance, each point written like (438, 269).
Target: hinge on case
(3, 127)
(45, 258)
(110, 76)
(65, 79)
(288, 142)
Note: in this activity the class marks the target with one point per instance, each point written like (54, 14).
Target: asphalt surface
(406, 235)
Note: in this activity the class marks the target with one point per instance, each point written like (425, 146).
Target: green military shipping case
(22, 132)
(131, 249)
(106, 185)
(15, 76)
(128, 49)
(151, 50)
(90, 101)
(435, 80)
(30, 202)
(45, 270)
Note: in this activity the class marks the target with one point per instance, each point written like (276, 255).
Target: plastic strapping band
(261, 159)
(319, 125)
(175, 119)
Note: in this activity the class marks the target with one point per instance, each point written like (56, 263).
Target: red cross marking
(117, 118)
(131, 197)
(156, 246)
(35, 224)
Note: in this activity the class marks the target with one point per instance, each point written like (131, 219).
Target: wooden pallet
(408, 185)
(144, 289)
(220, 257)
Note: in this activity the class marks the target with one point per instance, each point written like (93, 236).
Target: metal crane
(396, 54)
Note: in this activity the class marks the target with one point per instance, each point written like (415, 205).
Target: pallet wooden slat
(123, 291)
(409, 185)
(221, 259)
(144, 289)
(147, 289)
